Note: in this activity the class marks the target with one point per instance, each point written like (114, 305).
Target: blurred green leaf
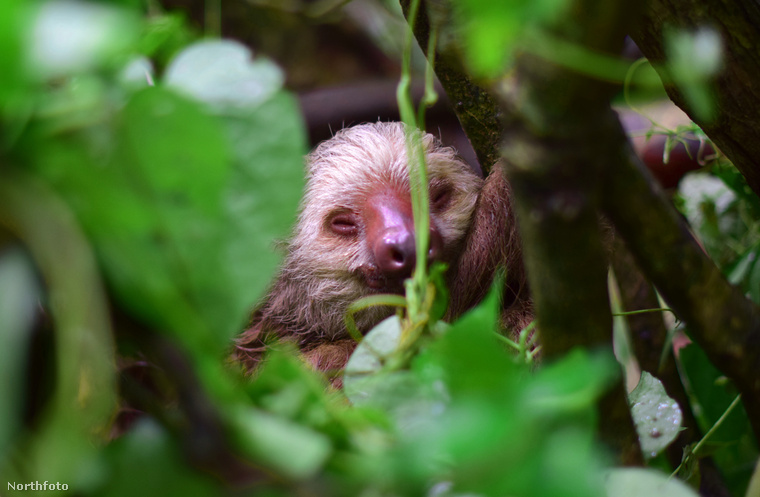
(261, 199)
(472, 430)
(13, 23)
(70, 37)
(407, 398)
(736, 181)
(159, 228)
(224, 75)
(164, 36)
(470, 345)
(731, 445)
(745, 271)
(137, 74)
(693, 60)
(657, 416)
(147, 461)
(289, 448)
(637, 482)
(183, 202)
(573, 384)
(492, 29)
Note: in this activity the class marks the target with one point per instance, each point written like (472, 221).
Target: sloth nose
(395, 254)
(390, 237)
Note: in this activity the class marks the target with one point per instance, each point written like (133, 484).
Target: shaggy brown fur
(325, 271)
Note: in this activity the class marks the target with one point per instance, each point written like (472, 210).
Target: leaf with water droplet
(657, 416)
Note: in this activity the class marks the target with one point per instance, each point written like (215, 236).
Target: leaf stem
(709, 433)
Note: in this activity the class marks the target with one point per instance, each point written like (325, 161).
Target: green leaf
(137, 74)
(70, 37)
(637, 482)
(164, 35)
(13, 25)
(493, 29)
(289, 448)
(184, 207)
(147, 461)
(262, 196)
(711, 208)
(745, 271)
(222, 74)
(160, 230)
(732, 445)
(361, 381)
(471, 345)
(657, 416)
(573, 384)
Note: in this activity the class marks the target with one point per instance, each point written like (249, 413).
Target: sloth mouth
(378, 283)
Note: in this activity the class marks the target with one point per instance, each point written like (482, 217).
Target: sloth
(355, 237)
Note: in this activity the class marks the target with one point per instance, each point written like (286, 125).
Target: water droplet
(655, 433)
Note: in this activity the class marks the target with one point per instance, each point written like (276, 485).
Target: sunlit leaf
(73, 36)
(657, 416)
(223, 74)
(378, 345)
(137, 74)
(637, 482)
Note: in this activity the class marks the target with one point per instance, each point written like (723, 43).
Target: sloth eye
(441, 198)
(344, 224)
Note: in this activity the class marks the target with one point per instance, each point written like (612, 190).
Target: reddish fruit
(681, 159)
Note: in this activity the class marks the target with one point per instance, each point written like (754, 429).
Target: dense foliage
(145, 176)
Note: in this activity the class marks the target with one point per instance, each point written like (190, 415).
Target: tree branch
(719, 318)
(557, 144)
